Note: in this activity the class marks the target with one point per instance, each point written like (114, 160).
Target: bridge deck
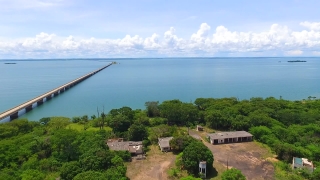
(41, 97)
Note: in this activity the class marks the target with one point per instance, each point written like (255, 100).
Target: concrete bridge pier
(29, 108)
(56, 94)
(40, 102)
(48, 97)
(14, 116)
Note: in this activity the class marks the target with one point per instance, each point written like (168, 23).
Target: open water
(132, 82)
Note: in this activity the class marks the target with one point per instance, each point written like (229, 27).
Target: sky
(158, 28)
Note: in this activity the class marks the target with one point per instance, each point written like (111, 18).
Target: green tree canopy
(69, 170)
(181, 142)
(90, 175)
(232, 174)
(137, 132)
(193, 154)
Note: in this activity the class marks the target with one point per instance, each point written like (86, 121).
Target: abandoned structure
(229, 137)
(164, 143)
(203, 168)
(134, 147)
(302, 163)
(199, 128)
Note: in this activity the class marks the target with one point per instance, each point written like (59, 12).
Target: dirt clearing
(249, 157)
(154, 167)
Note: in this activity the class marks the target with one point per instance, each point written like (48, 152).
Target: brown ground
(154, 167)
(248, 157)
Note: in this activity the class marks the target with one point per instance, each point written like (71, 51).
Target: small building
(164, 143)
(302, 163)
(134, 147)
(199, 128)
(229, 137)
(203, 168)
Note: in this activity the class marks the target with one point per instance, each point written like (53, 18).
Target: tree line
(49, 148)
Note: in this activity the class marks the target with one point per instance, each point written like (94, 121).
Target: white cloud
(311, 25)
(278, 39)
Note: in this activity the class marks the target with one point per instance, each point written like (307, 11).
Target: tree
(125, 111)
(232, 174)
(32, 174)
(178, 112)
(58, 122)
(137, 132)
(193, 154)
(65, 145)
(215, 119)
(171, 110)
(84, 120)
(90, 175)
(152, 108)
(120, 123)
(103, 116)
(44, 121)
(316, 174)
(181, 142)
(260, 131)
(69, 170)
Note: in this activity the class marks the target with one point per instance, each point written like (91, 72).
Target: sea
(132, 82)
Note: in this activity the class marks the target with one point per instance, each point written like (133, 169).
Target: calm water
(135, 81)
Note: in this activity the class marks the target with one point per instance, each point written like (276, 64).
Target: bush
(232, 174)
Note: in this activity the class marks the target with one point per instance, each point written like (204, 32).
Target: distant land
(297, 61)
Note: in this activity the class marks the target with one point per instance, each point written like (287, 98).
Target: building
(164, 144)
(203, 168)
(302, 163)
(229, 137)
(134, 147)
(199, 128)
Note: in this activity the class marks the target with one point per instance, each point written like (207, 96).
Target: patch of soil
(154, 167)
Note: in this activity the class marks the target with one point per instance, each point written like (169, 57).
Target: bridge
(13, 113)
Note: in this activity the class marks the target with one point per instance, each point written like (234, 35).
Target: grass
(79, 127)
(269, 153)
(217, 171)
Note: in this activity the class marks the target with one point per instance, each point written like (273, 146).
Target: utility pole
(228, 162)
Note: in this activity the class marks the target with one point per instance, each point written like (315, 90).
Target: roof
(164, 142)
(136, 149)
(131, 146)
(297, 160)
(233, 134)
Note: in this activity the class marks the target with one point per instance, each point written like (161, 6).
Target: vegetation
(233, 174)
(37, 150)
(74, 148)
(195, 153)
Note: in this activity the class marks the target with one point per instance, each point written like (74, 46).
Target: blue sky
(154, 28)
